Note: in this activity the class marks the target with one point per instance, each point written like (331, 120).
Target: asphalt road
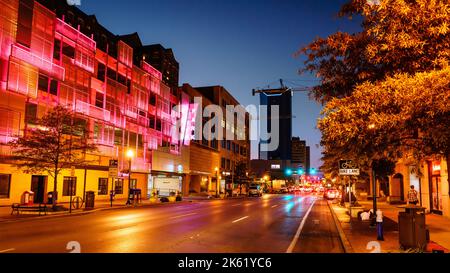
(271, 224)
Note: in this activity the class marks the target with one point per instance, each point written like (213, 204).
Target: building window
(118, 186)
(101, 69)
(152, 99)
(30, 113)
(99, 99)
(43, 83)
(132, 184)
(222, 163)
(5, 185)
(68, 51)
(228, 164)
(228, 145)
(224, 144)
(102, 186)
(69, 186)
(53, 87)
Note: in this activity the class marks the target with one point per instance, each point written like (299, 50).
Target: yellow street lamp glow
(266, 177)
(216, 169)
(371, 126)
(130, 153)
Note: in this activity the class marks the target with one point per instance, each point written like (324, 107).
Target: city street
(272, 223)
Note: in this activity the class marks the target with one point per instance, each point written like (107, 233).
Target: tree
(397, 36)
(59, 141)
(388, 119)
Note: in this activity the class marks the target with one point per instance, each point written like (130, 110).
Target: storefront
(435, 184)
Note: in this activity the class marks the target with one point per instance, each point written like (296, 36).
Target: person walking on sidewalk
(412, 196)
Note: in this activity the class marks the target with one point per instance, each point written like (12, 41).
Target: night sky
(239, 44)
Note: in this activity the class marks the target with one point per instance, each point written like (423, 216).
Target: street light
(130, 155)
(217, 182)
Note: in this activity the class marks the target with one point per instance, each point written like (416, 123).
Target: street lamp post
(217, 182)
(130, 155)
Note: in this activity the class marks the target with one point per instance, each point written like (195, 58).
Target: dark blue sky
(239, 44)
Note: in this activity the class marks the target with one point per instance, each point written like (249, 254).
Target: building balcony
(24, 54)
(92, 111)
(75, 35)
(151, 70)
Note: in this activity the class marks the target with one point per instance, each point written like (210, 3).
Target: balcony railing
(151, 70)
(92, 111)
(25, 55)
(75, 35)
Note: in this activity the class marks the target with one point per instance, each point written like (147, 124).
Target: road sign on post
(113, 168)
(348, 167)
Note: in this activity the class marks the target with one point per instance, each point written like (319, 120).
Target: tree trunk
(55, 183)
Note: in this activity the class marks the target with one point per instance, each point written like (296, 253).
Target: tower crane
(282, 89)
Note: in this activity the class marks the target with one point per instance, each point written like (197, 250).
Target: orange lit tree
(385, 89)
(58, 141)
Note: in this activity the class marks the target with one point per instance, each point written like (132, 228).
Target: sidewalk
(5, 211)
(361, 236)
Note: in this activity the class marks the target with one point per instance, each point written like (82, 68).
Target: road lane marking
(299, 230)
(240, 219)
(184, 215)
(7, 250)
(236, 205)
(274, 206)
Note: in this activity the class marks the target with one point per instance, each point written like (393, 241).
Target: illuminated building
(52, 53)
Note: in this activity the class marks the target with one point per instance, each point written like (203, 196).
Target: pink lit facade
(46, 61)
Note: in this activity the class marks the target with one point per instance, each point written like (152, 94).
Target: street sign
(113, 168)
(348, 167)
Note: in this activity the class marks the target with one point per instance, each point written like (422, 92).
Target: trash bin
(51, 196)
(90, 200)
(412, 229)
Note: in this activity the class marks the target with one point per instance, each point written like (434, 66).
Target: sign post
(349, 168)
(113, 174)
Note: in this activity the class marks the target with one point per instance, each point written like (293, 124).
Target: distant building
(284, 101)
(280, 158)
(208, 154)
(164, 60)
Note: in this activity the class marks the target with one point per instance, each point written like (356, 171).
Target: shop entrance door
(38, 186)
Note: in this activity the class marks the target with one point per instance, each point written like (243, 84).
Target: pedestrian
(380, 236)
(412, 196)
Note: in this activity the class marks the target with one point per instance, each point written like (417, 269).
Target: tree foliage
(397, 36)
(58, 141)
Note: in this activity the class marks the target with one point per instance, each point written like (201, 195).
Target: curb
(344, 240)
(78, 213)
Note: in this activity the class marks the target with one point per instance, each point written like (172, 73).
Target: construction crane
(282, 89)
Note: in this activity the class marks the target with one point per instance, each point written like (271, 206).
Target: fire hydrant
(379, 220)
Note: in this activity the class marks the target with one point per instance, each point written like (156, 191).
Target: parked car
(331, 194)
(254, 191)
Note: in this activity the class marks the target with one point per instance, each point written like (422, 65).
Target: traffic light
(300, 171)
(312, 171)
(288, 172)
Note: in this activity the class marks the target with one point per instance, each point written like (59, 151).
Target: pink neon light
(75, 35)
(92, 111)
(23, 54)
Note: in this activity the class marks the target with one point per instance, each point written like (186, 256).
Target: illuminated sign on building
(436, 167)
(275, 166)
